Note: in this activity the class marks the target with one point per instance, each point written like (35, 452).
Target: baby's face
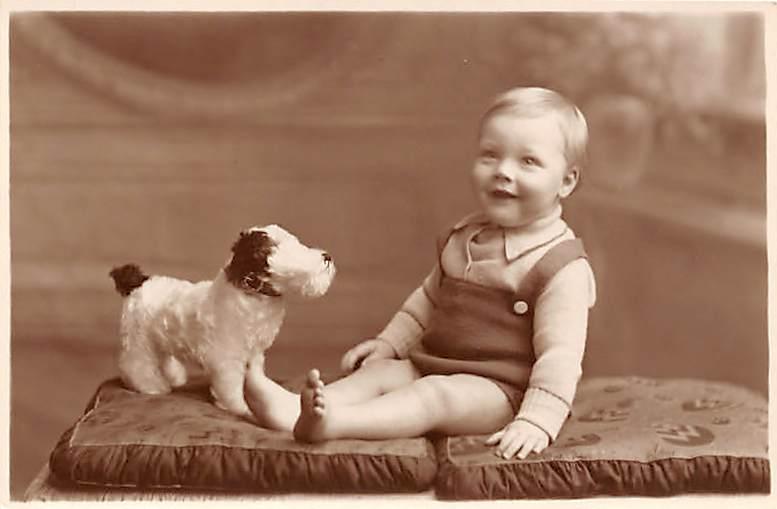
(521, 172)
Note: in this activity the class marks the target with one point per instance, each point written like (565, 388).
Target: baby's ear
(569, 182)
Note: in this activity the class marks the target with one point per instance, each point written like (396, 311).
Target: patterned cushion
(627, 436)
(181, 440)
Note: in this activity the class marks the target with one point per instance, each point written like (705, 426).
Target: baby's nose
(505, 170)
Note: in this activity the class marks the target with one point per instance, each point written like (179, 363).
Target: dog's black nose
(327, 258)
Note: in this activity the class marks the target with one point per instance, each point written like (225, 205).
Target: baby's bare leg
(272, 405)
(276, 407)
(371, 380)
(453, 405)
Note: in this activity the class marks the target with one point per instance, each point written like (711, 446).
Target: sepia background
(154, 138)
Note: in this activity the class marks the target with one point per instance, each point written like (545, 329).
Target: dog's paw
(174, 371)
(237, 407)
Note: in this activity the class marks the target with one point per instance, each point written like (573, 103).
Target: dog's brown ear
(251, 240)
(249, 268)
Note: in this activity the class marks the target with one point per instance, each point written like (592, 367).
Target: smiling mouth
(501, 194)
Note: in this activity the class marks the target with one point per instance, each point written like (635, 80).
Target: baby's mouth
(501, 194)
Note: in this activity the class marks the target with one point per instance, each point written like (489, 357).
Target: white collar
(522, 239)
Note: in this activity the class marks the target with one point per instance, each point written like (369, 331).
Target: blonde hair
(537, 101)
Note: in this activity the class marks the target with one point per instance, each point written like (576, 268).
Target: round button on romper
(520, 307)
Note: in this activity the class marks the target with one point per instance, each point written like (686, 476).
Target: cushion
(627, 436)
(181, 440)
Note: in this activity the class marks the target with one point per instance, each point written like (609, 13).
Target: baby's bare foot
(311, 425)
(273, 406)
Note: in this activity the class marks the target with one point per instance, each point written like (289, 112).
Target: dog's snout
(327, 257)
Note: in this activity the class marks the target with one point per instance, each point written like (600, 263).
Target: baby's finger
(371, 357)
(352, 356)
(358, 353)
(526, 448)
(496, 437)
(511, 448)
(346, 362)
(509, 437)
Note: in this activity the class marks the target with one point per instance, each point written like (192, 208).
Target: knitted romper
(485, 331)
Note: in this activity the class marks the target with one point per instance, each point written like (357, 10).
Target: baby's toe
(314, 378)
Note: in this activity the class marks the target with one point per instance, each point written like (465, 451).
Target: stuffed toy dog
(171, 327)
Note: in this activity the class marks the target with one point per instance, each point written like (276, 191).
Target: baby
(492, 341)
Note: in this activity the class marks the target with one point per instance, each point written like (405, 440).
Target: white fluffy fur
(170, 327)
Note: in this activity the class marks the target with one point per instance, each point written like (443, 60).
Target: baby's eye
(488, 154)
(531, 161)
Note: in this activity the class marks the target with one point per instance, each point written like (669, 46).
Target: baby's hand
(364, 352)
(520, 437)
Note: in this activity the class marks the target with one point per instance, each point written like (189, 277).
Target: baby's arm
(407, 326)
(560, 326)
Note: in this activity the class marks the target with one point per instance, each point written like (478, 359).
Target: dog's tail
(127, 278)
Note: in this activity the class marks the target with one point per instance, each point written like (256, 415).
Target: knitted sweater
(482, 253)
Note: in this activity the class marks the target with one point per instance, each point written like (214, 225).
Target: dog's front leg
(226, 385)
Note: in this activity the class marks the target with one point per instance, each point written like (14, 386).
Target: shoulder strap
(442, 241)
(555, 259)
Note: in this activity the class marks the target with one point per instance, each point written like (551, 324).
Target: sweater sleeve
(407, 326)
(560, 327)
